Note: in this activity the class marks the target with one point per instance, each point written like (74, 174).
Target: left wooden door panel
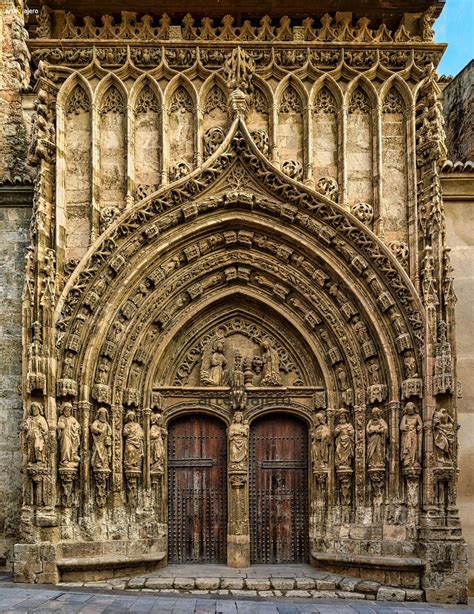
(197, 497)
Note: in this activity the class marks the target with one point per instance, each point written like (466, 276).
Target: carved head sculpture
(157, 419)
(266, 345)
(257, 364)
(410, 409)
(342, 415)
(376, 413)
(130, 416)
(442, 416)
(67, 410)
(218, 346)
(36, 409)
(238, 417)
(320, 418)
(102, 414)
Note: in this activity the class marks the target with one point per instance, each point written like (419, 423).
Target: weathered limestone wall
(458, 102)
(458, 193)
(14, 225)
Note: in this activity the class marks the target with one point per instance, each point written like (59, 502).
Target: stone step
(315, 585)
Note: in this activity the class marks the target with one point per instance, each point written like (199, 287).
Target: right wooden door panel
(279, 490)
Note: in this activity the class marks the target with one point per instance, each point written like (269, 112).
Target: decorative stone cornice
(341, 27)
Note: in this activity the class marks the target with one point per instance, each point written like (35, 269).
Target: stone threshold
(289, 581)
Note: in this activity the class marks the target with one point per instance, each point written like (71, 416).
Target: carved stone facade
(232, 222)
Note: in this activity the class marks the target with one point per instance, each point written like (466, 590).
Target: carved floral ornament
(150, 28)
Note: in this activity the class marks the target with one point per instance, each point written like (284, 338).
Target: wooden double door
(278, 489)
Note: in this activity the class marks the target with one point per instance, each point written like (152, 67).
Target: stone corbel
(344, 477)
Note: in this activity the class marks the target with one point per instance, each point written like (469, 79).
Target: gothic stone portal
(239, 229)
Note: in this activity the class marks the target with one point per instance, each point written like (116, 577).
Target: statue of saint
(271, 365)
(344, 433)
(443, 436)
(411, 427)
(157, 447)
(69, 436)
(320, 441)
(36, 430)
(101, 441)
(216, 374)
(377, 433)
(134, 438)
(238, 441)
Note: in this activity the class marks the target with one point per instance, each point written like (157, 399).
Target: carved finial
(239, 69)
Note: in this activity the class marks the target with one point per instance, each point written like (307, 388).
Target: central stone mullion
(238, 529)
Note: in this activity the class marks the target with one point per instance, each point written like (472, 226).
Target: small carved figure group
(215, 372)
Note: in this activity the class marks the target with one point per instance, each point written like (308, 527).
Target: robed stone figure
(35, 430)
(411, 427)
(377, 433)
(344, 434)
(101, 441)
(238, 442)
(69, 437)
(134, 438)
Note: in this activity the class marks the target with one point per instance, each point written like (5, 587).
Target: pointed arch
(396, 82)
(74, 169)
(396, 201)
(110, 156)
(292, 108)
(214, 80)
(361, 82)
(361, 157)
(145, 136)
(182, 149)
(326, 130)
(214, 117)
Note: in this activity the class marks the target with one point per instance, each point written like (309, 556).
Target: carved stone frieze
(341, 28)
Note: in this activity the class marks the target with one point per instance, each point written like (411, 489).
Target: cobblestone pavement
(38, 599)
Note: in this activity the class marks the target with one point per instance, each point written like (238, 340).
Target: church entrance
(279, 490)
(197, 471)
